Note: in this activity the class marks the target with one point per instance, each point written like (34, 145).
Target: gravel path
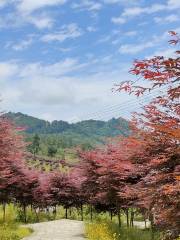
(57, 230)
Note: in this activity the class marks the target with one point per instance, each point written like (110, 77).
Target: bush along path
(57, 230)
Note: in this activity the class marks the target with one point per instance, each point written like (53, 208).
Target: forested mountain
(65, 135)
(112, 127)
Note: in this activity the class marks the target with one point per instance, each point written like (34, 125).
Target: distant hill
(92, 131)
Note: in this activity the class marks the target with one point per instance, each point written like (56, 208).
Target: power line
(113, 109)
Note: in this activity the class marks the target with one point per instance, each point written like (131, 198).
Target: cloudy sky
(60, 59)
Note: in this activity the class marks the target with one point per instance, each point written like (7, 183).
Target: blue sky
(61, 58)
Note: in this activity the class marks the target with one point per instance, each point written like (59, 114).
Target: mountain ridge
(111, 127)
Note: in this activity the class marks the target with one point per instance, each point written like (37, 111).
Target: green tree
(52, 150)
(35, 146)
(86, 146)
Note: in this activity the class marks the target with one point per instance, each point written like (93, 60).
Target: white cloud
(70, 31)
(134, 48)
(21, 45)
(104, 39)
(88, 5)
(131, 12)
(17, 19)
(7, 70)
(174, 4)
(168, 19)
(122, 2)
(2, 3)
(53, 89)
(135, 11)
(25, 12)
(64, 50)
(118, 20)
(28, 6)
(57, 69)
(41, 21)
(170, 52)
(91, 29)
(130, 33)
(119, 36)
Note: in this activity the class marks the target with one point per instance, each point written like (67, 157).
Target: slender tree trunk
(70, 211)
(91, 212)
(127, 217)
(119, 217)
(37, 216)
(24, 210)
(145, 223)
(66, 212)
(132, 218)
(55, 212)
(111, 215)
(4, 212)
(152, 226)
(82, 213)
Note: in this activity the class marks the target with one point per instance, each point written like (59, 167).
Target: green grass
(11, 229)
(110, 231)
(100, 231)
(13, 232)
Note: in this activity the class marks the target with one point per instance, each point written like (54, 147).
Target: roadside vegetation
(111, 231)
(12, 228)
(13, 232)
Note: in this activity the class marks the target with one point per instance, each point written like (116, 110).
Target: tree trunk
(82, 215)
(119, 218)
(152, 226)
(24, 210)
(55, 211)
(91, 212)
(66, 213)
(132, 218)
(4, 212)
(111, 215)
(37, 216)
(145, 223)
(70, 211)
(127, 217)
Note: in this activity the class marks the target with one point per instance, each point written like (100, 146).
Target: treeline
(86, 128)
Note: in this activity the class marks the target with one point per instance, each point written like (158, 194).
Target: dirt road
(57, 230)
